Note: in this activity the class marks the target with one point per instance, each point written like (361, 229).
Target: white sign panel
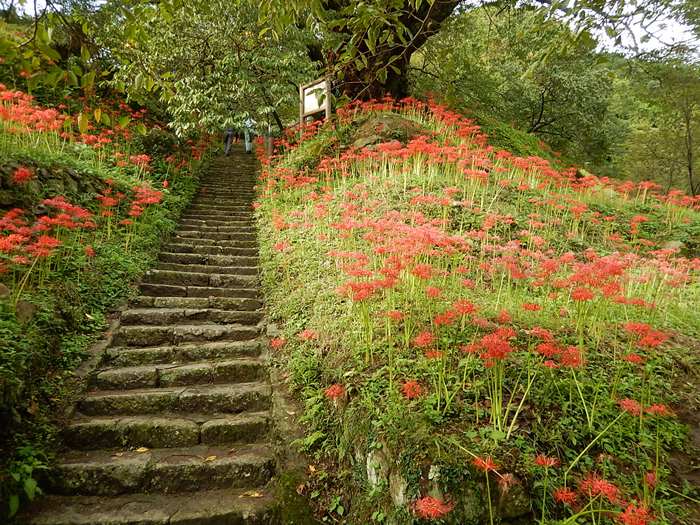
(314, 97)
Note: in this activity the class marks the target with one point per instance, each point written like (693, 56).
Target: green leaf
(124, 121)
(30, 487)
(141, 129)
(14, 504)
(82, 122)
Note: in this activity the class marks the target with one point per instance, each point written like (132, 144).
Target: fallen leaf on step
(210, 458)
(141, 450)
(312, 469)
(118, 454)
(251, 494)
(290, 413)
(300, 488)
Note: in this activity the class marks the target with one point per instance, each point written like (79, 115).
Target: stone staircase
(175, 426)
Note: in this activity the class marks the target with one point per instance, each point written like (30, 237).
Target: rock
(397, 489)
(24, 310)
(377, 468)
(673, 245)
(4, 291)
(385, 128)
(513, 502)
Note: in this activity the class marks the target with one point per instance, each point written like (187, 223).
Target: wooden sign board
(315, 97)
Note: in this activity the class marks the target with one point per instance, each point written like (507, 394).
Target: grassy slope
(522, 238)
(70, 294)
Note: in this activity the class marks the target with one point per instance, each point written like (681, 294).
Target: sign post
(314, 98)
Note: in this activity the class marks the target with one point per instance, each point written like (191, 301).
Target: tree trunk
(367, 82)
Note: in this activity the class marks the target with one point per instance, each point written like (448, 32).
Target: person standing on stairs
(228, 140)
(248, 128)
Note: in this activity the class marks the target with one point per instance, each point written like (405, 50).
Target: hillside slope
(478, 336)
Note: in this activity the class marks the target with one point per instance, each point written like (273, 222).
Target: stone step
(191, 213)
(168, 290)
(216, 222)
(244, 506)
(166, 316)
(194, 259)
(165, 430)
(235, 228)
(162, 470)
(221, 205)
(207, 399)
(215, 236)
(204, 268)
(126, 356)
(163, 375)
(202, 247)
(145, 335)
(190, 278)
(219, 303)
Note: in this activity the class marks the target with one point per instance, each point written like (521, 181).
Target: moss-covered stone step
(165, 430)
(205, 399)
(169, 290)
(145, 335)
(204, 268)
(215, 223)
(200, 259)
(167, 470)
(242, 370)
(220, 303)
(244, 506)
(215, 236)
(214, 213)
(190, 278)
(166, 316)
(211, 204)
(242, 248)
(123, 356)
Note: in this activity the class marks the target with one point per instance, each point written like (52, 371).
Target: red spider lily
(593, 485)
(565, 495)
(652, 339)
(411, 389)
(394, 315)
(446, 318)
(572, 357)
(22, 175)
(635, 514)
(89, 251)
(659, 410)
(506, 481)
(166, 184)
(504, 317)
(486, 464)
(634, 358)
(630, 406)
(433, 292)
(582, 294)
(424, 339)
(307, 335)
(334, 391)
(278, 342)
(464, 307)
(546, 461)
(423, 271)
(43, 246)
(650, 479)
(432, 508)
(531, 307)
(281, 246)
(433, 354)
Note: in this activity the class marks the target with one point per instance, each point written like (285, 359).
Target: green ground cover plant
(479, 337)
(84, 205)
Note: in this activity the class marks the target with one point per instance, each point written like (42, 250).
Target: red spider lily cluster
(468, 261)
(20, 114)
